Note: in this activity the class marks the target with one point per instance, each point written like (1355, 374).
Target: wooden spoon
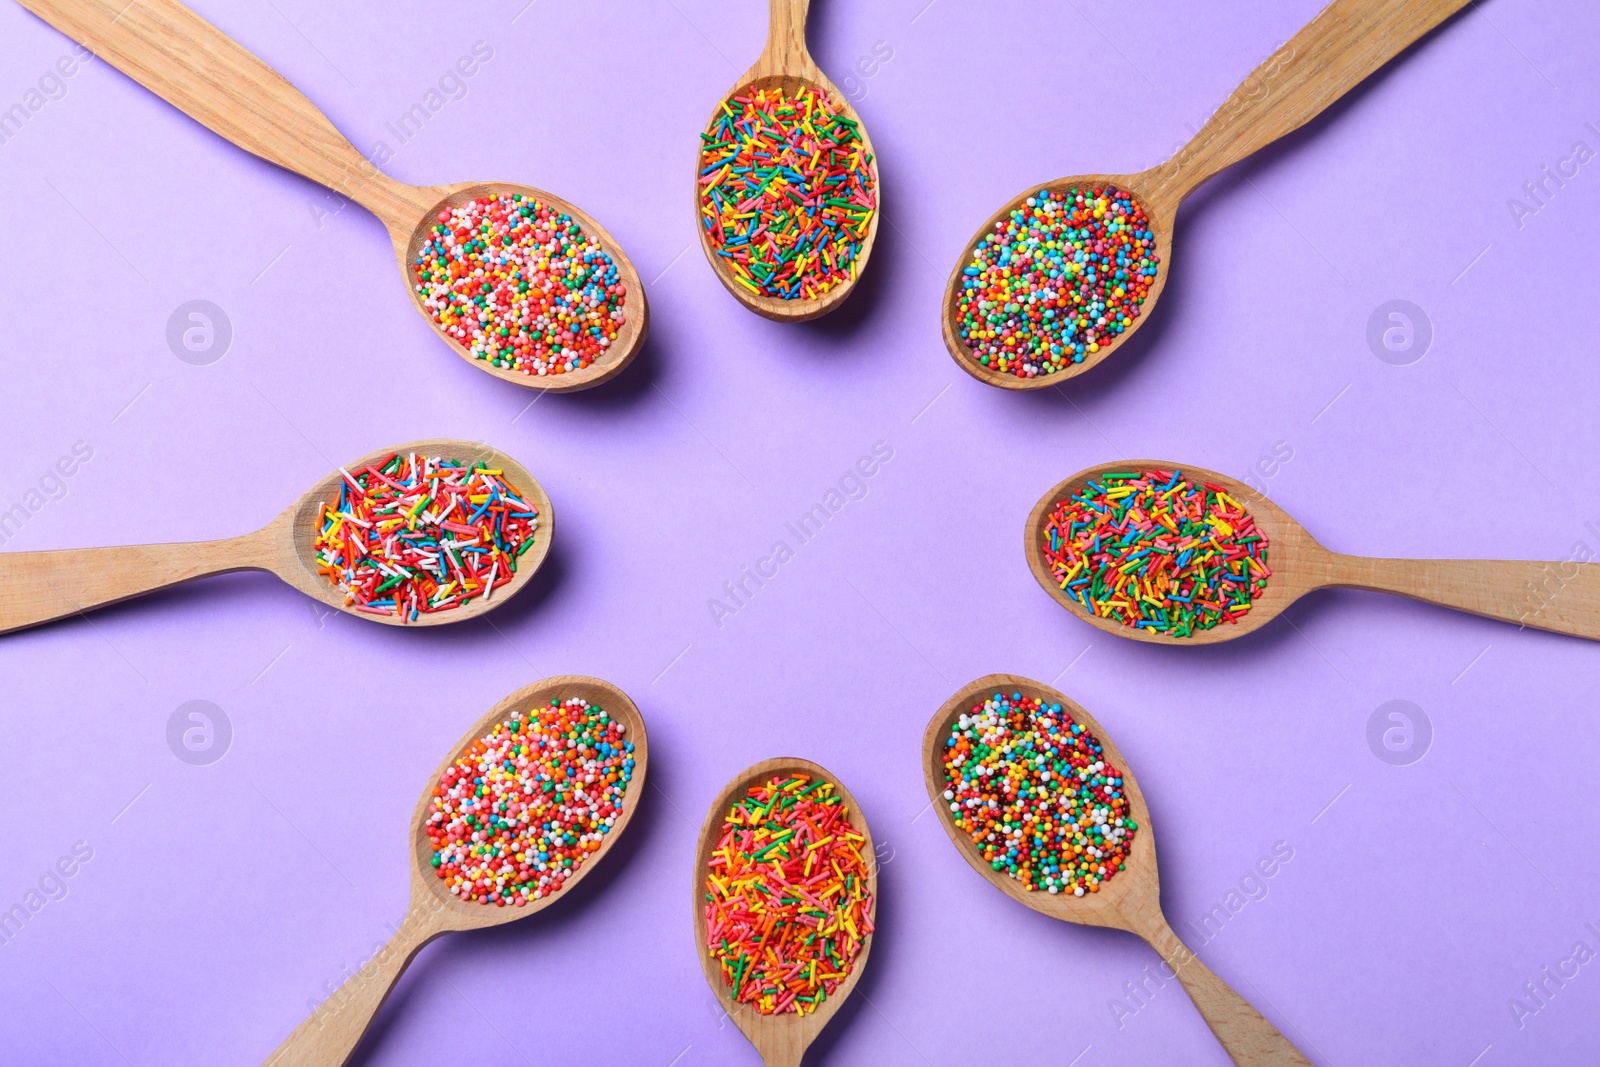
(786, 63)
(1131, 901)
(1346, 42)
(331, 1033)
(781, 1040)
(202, 72)
(36, 587)
(1526, 592)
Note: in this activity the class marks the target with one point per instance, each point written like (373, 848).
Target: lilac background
(223, 900)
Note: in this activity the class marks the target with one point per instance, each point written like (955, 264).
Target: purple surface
(222, 900)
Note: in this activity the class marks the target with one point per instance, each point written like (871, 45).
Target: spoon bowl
(409, 234)
(1130, 901)
(198, 69)
(1342, 46)
(781, 1039)
(1292, 554)
(37, 587)
(331, 1033)
(1559, 596)
(1161, 213)
(1136, 888)
(786, 64)
(298, 526)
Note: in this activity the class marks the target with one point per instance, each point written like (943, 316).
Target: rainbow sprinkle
(787, 903)
(1059, 278)
(417, 534)
(787, 192)
(1157, 552)
(1033, 790)
(517, 813)
(520, 285)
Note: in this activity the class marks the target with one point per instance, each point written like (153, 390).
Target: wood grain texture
(1131, 901)
(199, 70)
(195, 67)
(786, 64)
(332, 1032)
(781, 1040)
(1562, 597)
(1347, 42)
(38, 587)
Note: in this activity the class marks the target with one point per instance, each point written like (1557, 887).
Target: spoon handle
(36, 587)
(1248, 1038)
(204, 73)
(786, 50)
(1560, 596)
(328, 1036)
(1346, 42)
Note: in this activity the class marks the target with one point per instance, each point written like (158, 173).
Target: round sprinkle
(1157, 552)
(517, 814)
(1057, 279)
(520, 285)
(787, 904)
(787, 192)
(1033, 790)
(416, 534)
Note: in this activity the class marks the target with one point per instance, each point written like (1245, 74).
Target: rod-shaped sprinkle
(1156, 551)
(786, 192)
(418, 534)
(787, 898)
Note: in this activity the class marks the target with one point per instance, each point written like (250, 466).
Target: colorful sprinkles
(1057, 279)
(787, 898)
(520, 285)
(1033, 790)
(787, 192)
(517, 814)
(418, 534)
(1157, 552)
